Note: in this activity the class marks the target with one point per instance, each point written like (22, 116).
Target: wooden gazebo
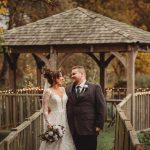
(77, 31)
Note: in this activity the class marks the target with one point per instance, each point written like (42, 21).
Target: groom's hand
(97, 130)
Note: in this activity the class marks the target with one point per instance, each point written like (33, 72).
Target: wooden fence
(120, 93)
(111, 110)
(142, 110)
(111, 93)
(14, 108)
(25, 136)
(125, 135)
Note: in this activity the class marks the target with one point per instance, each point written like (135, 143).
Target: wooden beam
(108, 60)
(82, 48)
(50, 63)
(94, 58)
(43, 58)
(102, 70)
(65, 56)
(121, 58)
(89, 48)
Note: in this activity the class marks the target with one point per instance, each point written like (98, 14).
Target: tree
(143, 63)
(3, 16)
(132, 12)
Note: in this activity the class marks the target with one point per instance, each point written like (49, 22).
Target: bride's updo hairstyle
(51, 76)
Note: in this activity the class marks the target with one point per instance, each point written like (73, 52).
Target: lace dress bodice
(54, 107)
(56, 102)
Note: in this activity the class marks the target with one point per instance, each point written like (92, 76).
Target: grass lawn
(144, 137)
(106, 138)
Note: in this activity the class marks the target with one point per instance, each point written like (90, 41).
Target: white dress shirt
(81, 85)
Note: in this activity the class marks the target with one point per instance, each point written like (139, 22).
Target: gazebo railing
(120, 93)
(126, 105)
(25, 136)
(125, 135)
(14, 108)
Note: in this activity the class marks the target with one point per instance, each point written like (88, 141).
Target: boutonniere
(85, 87)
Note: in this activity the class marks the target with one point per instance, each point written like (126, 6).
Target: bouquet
(53, 134)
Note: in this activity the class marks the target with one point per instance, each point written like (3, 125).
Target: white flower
(56, 137)
(60, 132)
(85, 87)
(46, 135)
(58, 127)
(54, 127)
(50, 133)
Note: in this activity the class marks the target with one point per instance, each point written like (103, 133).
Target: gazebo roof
(76, 26)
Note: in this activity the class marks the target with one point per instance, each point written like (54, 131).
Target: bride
(54, 111)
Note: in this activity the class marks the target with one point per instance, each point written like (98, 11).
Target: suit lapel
(83, 93)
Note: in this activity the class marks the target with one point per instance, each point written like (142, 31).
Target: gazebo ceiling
(77, 26)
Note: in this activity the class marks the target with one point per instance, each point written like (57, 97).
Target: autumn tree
(131, 12)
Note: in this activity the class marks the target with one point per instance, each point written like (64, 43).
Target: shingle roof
(75, 26)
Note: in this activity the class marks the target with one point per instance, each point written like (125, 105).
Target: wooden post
(12, 61)
(39, 65)
(12, 78)
(53, 59)
(131, 80)
(38, 71)
(102, 71)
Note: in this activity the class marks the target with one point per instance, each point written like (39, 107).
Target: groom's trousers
(85, 142)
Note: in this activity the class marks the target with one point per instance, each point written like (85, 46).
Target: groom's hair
(81, 69)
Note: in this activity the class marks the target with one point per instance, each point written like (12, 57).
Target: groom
(85, 110)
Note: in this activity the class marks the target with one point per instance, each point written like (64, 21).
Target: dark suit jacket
(86, 112)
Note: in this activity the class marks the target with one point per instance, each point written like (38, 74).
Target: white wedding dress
(56, 106)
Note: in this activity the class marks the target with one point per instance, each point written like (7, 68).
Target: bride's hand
(49, 126)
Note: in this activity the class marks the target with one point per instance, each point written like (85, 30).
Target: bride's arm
(45, 105)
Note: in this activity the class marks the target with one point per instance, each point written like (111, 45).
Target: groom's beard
(77, 82)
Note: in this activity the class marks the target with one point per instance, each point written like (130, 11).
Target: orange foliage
(3, 7)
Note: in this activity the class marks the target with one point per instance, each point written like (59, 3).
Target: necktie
(77, 90)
